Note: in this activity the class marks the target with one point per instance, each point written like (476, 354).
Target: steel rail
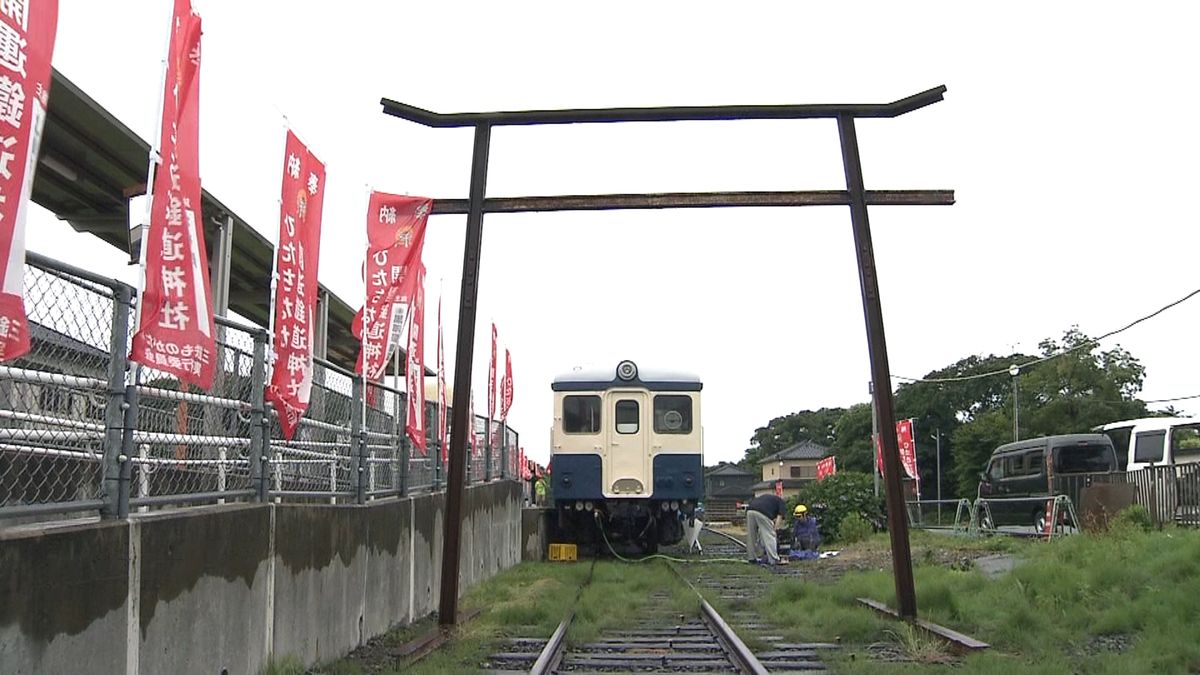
(552, 653)
(730, 537)
(737, 650)
(734, 648)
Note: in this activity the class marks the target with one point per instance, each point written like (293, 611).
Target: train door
(628, 443)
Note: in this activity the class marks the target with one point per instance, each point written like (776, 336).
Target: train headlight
(578, 506)
(674, 506)
(665, 506)
(588, 505)
(627, 370)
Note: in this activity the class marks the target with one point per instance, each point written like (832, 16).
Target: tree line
(1076, 388)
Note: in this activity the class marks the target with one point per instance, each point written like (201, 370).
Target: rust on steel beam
(457, 455)
(665, 114)
(694, 200)
(868, 278)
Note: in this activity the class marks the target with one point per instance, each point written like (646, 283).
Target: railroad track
(738, 590)
(663, 641)
(660, 642)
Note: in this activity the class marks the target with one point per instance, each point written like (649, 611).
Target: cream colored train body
(627, 454)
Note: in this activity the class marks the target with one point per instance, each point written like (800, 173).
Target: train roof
(655, 379)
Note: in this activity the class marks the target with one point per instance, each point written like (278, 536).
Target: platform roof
(90, 164)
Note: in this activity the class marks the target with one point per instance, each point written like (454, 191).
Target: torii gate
(855, 196)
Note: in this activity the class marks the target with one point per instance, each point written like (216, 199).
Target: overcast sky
(1066, 133)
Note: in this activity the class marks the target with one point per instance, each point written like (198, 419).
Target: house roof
(787, 483)
(731, 491)
(801, 450)
(728, 470)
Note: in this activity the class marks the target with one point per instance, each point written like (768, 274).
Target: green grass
(288, 665)
(1141, 588)
(530, 600)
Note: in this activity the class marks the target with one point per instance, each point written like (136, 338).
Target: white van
(1154, 440)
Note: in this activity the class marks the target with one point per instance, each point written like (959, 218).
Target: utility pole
(937, 436)
(1015, 370)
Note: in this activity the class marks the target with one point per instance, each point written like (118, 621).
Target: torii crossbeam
(855, 196)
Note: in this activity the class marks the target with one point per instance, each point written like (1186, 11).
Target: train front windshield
(581, 414)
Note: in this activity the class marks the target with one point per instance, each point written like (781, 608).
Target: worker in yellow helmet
(806, 536)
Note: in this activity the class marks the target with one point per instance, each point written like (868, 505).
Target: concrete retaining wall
(220, 589)
(535, 533)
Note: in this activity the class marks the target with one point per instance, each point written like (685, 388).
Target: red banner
(296, 258)
(441, 387)
(491, 392)
(175, 318)
(907, 446)
(415, 367)
(506, 401)
(395, 240)
(826, 468)
(27, 39)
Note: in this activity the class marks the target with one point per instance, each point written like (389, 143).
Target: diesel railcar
(627, 455)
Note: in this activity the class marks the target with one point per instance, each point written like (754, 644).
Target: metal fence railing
(1170, 493)
(83, 429)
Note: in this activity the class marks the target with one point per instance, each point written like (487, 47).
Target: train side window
(672, 414)
(1148, 447)
(627, 417)
(581, 414)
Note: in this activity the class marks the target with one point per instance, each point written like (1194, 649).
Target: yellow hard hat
(800, 510)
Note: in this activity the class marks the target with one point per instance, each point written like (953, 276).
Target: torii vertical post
(881, 376)
(464, 358)
(855, 196)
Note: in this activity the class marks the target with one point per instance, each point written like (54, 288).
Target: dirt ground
(944, 550)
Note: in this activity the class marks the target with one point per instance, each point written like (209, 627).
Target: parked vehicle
(1150, 441)
(1161, 455)
(1016, 475)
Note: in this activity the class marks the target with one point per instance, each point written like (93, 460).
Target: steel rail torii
(855, 196)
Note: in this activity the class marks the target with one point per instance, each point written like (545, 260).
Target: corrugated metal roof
(97, 163)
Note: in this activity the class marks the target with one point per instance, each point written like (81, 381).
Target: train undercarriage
(644, 524)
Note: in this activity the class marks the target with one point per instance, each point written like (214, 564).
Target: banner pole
(152, 162)
(362, 342)
(271, 353)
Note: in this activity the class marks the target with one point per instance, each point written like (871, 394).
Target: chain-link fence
(82, 429)
(193, 443)
(54, 399)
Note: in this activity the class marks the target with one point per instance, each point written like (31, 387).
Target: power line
(1169, 400)
(1088, 343)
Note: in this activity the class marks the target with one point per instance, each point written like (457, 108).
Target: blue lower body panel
(576, 477)
(678, 477)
